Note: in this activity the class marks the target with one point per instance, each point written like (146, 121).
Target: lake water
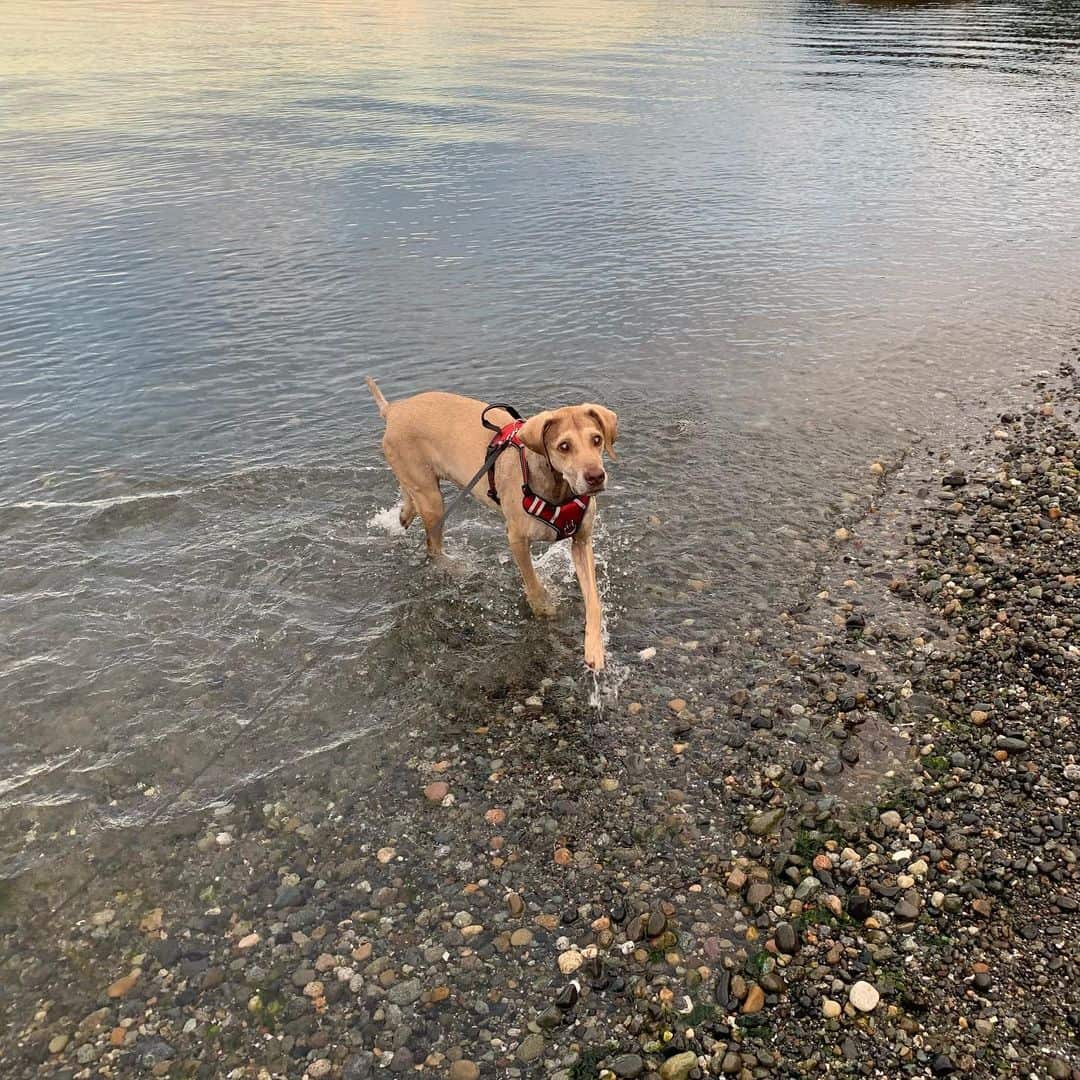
(782, 240)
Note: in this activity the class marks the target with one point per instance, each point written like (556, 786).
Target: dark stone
(288, 896)
(1014, 746)
(859, 906)
(550, 1018)
(402, 1061)
(906, 911)
(148, 1052)
(942, 1065)
(359, 1066)
(787, 941)
(166, 951)
(723, 988)
(628, 1065)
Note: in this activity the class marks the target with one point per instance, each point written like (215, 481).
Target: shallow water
(780, 239)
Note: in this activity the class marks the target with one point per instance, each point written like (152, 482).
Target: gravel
(851, 848)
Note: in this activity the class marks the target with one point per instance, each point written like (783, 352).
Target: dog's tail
(377, 394)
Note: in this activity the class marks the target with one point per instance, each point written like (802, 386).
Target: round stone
(864, 996)
(570, 961)
(464, 1070)
(532, 1046)
(830, 1009)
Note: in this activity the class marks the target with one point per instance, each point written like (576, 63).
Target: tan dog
(435, 436)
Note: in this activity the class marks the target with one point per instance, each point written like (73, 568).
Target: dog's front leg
(538, 597)
(582, 553)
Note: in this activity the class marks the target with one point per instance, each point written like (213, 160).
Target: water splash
(388, 520)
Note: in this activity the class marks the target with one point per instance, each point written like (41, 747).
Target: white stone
(864, 996)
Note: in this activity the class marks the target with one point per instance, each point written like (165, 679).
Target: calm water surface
(781, 239)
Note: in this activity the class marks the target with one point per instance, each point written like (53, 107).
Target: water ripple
(779, 238)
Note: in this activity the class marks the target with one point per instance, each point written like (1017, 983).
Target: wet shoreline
(846, 841)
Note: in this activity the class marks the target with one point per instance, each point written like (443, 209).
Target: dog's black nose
(595, 479)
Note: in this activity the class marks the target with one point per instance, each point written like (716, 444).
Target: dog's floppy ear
(609, 425)
(533, 432)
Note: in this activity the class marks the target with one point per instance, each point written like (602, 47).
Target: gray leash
(489, 460)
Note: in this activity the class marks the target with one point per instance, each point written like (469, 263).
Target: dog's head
(574, 439)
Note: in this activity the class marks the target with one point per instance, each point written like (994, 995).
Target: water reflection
(778, 238)
(953, 34)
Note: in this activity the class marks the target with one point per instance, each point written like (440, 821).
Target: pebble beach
(854, 853)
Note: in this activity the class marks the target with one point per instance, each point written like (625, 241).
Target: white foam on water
(97, 504)
(388, 520)
(607, 684)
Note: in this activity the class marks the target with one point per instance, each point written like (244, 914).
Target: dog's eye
(596, 440)
(564, 448)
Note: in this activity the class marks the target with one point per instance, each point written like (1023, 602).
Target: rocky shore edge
(845, 846)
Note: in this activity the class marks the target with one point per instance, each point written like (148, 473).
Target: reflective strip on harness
(565, 518)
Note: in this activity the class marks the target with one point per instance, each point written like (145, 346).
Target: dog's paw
(543, 606)
(453, 568)
(594, 657)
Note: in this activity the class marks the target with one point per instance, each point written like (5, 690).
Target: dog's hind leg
(428, 503)
(407, 514)
(420, 495)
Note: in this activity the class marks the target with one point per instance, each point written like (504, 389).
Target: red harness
(564, 518)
